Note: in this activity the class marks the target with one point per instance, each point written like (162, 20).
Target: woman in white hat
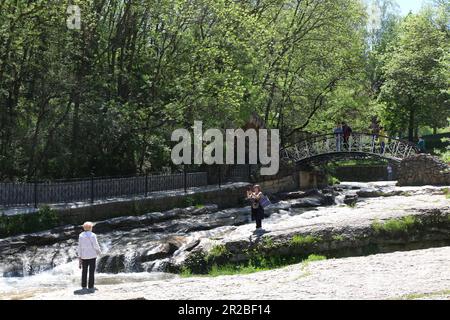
(88, 251)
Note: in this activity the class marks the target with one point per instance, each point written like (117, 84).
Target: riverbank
(138, 251)
(421, 274)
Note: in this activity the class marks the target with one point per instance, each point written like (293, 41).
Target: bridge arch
(359, 145)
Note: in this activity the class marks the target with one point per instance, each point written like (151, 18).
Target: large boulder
(423, 169)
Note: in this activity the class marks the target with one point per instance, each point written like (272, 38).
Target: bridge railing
(362, 143)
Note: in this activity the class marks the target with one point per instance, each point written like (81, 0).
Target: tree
(415, 80)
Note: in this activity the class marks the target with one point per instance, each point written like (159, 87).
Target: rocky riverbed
(421, 274)
(347, 220)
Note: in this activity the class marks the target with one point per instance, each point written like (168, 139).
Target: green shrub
(268, 243)
(257, 263)
(447, 193)
(333, 181)
(443, 155)
(401, 225)
(44, 219)
(217, 252)
(338, 237)
(315, 257)
(186, 272)
(299, 240)
(195, 200)
(188, 202)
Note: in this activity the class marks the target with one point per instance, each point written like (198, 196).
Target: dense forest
(106, 97)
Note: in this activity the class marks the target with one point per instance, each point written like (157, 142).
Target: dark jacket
(347, 131)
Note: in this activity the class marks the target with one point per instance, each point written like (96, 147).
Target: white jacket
(88, 247)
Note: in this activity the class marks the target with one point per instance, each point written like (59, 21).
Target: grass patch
(416, 296)
(447, 193)
(364, 162)
(401, 225)
(186, 273)
(193, 201)
(268, 243)
(217, 252)
(338, 238)
(253, 266)
(299, 240)
(315, 257)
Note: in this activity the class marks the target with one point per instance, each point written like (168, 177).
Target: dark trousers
(258, 216)
(258, 223)
(85, 265)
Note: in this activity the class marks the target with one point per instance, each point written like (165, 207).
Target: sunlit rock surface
(137, 249)
(420, 274)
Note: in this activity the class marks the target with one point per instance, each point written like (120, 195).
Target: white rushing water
(66, 276)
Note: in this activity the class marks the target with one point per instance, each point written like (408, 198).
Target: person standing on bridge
(88, 251)
(338, 133)
(382, 140)
(347, 132)
(375, 131)
(421, 145)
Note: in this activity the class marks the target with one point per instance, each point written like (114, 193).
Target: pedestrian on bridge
(421, 145)
(375, 131)
(347, 134)
(338, 132)
(382, 140)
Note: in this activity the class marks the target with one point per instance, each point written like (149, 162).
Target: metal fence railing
(19, 194)
(78, 190)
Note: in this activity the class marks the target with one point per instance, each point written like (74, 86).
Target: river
(139, 250)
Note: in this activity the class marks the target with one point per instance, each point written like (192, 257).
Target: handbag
(264, 202)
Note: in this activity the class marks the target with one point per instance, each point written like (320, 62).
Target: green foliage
(426, 296)
(315, 257)
(186, 272)
(107, 98)
(44, 219)
(393, 226)
(444, 153)
(193, 201)
(217, 253)
(259, 264)
(299, 240)
(338, 238)
(415, 71)
(188, 202)
(333, 181)
(447, 193)
(445, 156)
(268, 243)
(364, 162)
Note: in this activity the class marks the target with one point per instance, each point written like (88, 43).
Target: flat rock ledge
(348, 232)
(420, 274)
